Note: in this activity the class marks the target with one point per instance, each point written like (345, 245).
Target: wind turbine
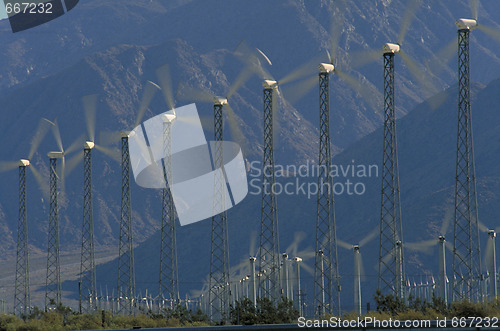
(358, 266)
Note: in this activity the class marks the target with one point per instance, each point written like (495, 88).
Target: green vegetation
(390, 307)
(245, 313)
(63, 318)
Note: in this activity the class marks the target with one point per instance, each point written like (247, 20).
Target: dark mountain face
(112, 48)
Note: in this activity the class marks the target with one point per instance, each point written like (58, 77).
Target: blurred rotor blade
(41, 180)
(409, 15)
(295, 92)
(307, 69)
(264, 56)
(107, 138)
(77, 144)
(89, 106)
(306, 254)
(360, 58)
(8, 165)
(446, 221)
(422, 78)
(193, 94)
(43, 127)
(423, 246)
(149, 92)
(242, 78)
(292, 249)
(343, 244)
(371, 97)
(253, 239)
(113, 153)
(449, 246)
(57, 135)
(165, 78)
(336, 25)
(492, 32)
(439, 60)
(362, 268)
(473, 4)
(369, 237)
(252, 58)
(482, 227)
(236, 132)
(72, 163)
(307, 268)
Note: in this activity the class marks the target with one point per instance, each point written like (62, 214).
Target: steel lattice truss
(466, 256)
(326, 279)
(391, 261)
(22, 300)
(269, 244)
(126, 273)
(169, 282)
(219, 289)
(53, 279)
(88, 292)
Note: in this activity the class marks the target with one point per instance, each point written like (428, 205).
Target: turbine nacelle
(168, 118)
(220, 101)
(270, 84)
(297, 259)
(127, 134)
(466, 24)
(24, 163)
(389, 48)
(355, 248)
(326, 68)
(492, 233)
(55, 155)
(88, 145)
(441, 239)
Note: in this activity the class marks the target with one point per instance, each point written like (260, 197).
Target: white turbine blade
(343, 244)
(295, 92)
(89, 106)
(362, 268)
(107, 138)
(236, 132)
(8, 165)
(423, 246)
(113, 153)
(371, 96)
(446, 221)
(264, 56)
(370, 236)
(361, 58)
(492, 32)
(307, 69)
(409, 15)
(75, 145)
(242, 78)
(421, 77)
(41, 180)
(297, 239)
(307, 268)
(42, 129)
(57, 136)
(473, 8)
(253, 239)
(193, 94)
(72, 163)
(150, 89)
(336, 27)
(482, 227)
(165, 78)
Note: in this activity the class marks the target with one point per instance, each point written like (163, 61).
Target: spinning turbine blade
(369, 237)
(336, 26)
(107, 138)
(371, 97)
(411, 9)
(482, 227)
(253, 239)
(113, 153)
(361, 58)
(42, 184)
(492, 32)
(293, 248)
(236, 132)
(42, 129)
(77, 144)
(441, 58)
(446, 221)
(193, 94)
(73, 162)
(251, 57)
(264, 56)
(89, 106)
(424, 246)
(420, 76)
(307, 69)
(473, 4)
(57, 135)
(295, 92)
(343, 244)
(242, 78)
(148, 95)
(165, 78)
(8, 165)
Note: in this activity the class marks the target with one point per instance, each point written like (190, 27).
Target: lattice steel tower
(391, 261)
(126, 273)
(326, 279)
(22, 300)
(169, 281)
(87, 284)
(466, 253)
(269, 243)
(53, 279)
(219, 289)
